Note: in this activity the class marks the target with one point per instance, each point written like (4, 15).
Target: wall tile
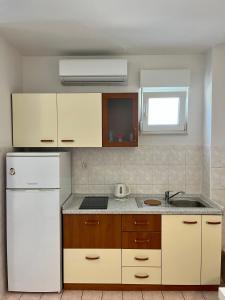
(80, 188)
(112, 174)
(218, 178)
(160, 188)
(96, 175)
(161, 175)
(177, 155)
(194, 155)
(177, 175)
(193, 175)
(218, 157)
(160, 155)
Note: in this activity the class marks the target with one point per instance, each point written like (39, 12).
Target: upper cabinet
(34, 120)
(75, 120)
(79, 120)
(120, 119)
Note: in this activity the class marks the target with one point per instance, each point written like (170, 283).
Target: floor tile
(51, 296)
(30, 296)
(152, 295)
(132, 296)
(210, 295)
(12, 296)
(172, 295)
(112, 295)
(71, 295)
(92, 295)
(193, 295)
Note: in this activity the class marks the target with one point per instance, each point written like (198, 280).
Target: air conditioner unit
(93, 71)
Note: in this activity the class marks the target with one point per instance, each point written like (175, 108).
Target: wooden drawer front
(92, 231)
(141, 223)
(141, 240)
(92, 266)
(141, 258)
(141, 275)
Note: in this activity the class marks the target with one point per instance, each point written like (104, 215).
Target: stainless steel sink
(184, 202)
(191, 201)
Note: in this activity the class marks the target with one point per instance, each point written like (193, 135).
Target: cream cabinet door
(181, 249)
(92, 265)
(211, 249)
(34, 120)
(79, 120)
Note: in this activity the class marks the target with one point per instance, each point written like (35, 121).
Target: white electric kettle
(121, 190)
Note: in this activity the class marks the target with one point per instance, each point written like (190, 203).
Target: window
(164, 110)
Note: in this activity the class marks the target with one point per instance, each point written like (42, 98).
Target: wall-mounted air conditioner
(93, 71)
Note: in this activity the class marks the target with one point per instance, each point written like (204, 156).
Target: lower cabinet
(142, 249)
(141, 275)
(211, 249)
(181, 249)
(92, 265)
(141, 266)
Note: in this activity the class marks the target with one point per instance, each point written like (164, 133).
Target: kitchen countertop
(129, 206)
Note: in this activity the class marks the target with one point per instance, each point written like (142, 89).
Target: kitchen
(118, 154)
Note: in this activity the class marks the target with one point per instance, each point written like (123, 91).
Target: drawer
(92, 266)
(141, 223)
(141, 240)
(141, 258)
(141, 275)
(92, 231)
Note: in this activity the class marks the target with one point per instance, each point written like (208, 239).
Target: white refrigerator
(37, 185)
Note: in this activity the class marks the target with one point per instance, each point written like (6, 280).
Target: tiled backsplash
(146, 169)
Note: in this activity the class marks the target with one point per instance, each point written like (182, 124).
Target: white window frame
(181, 127)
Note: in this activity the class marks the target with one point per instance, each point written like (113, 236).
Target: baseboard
(138, 287)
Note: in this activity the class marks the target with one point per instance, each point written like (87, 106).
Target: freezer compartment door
(33, 172)
(33, 241)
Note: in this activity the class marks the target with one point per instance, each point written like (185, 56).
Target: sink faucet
(168, 197)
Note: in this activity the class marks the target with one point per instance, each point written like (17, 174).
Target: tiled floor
(108, 295)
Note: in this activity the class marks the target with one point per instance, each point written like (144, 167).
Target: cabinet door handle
(141, 222)
(140, 241)
(190, 222)
(67, 140)
(46, 141)
(91, 222)
(92, 257)
(213, 223)
(144, 258)
(141, 276)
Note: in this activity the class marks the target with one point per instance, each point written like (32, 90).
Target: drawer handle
(141, 258)
(141, 275)
(190, 222)
(92, 257)
(139, 241)
(47, 141)
(67, 141)
(91, 222)
(141, 223)
(213, 223)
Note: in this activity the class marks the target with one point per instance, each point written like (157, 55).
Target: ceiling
(105, 27)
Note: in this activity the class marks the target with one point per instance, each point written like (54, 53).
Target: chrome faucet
(168, 197)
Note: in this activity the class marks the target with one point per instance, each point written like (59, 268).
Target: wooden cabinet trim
(141, 240)
(134, 222)
(105, 123)
(92, 231)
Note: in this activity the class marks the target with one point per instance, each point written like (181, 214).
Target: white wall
(10, 81)
(40, 74)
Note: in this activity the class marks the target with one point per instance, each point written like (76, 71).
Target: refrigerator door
(33, 172)
(33, 240)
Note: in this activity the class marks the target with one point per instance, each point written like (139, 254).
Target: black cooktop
(94, 203)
